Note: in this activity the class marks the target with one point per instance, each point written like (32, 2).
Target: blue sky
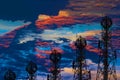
(8, 25)
(16, 13)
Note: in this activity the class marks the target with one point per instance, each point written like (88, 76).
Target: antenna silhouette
(107, 58)
(31, 68)
(55, 58)
(81, 71)
(9, 75)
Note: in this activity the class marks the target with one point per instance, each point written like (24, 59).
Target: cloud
(26, 39)
(68, 72)
(63, 13)
(30, 36)
(93, 7)
(68, 33)
(8, 30)
(7, 26)
(69, 76)
(43, 17)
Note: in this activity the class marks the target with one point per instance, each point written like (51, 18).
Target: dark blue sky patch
(29, 9)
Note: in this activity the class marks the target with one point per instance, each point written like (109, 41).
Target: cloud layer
(93, 7)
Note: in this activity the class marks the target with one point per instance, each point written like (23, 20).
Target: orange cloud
(72, 45)
(63, 13)
(40, 56)
(60, 21)
(69, 70)
(92, 49)
(7, 39)
(58, 50)
(39, 43)
(88, 47)
(43, 17)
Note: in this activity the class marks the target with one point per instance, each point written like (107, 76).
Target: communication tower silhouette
(107, 57)
(81, 71)
(55, 57)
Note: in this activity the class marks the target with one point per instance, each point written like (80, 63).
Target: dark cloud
(29, 9)
(93, 7)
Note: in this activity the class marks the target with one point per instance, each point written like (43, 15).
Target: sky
(29, 29)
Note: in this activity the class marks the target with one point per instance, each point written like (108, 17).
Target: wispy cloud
(7, 26)
(70, 32)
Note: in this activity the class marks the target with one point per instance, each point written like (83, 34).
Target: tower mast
(81, 71)
(55, 57)
(106, 65)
